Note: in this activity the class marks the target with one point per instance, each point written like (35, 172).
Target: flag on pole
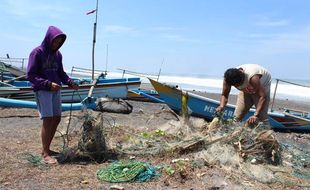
(90, 12)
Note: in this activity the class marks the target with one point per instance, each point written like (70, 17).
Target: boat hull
(112, 88)
(205, 107)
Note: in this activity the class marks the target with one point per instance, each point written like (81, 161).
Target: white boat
(112, 88)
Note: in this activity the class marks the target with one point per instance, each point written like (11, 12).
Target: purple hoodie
(45, 66)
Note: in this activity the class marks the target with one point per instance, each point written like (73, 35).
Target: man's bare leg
(47, 133)
(56, 121)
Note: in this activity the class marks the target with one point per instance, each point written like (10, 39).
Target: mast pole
(107, 60)
(94, 42)
(160, 69)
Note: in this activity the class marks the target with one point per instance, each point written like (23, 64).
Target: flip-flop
(53, 153)
(49, 160)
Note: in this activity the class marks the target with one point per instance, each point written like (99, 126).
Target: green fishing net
(127, 171)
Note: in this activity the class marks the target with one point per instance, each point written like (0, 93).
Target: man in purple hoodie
(45, 72)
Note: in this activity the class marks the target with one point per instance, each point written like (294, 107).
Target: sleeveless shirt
(250, 70)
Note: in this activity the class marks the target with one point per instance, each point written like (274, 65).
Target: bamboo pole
(274, 95)
(94, 42)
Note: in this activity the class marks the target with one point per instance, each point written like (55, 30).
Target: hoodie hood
(44, 65)
(51, 34)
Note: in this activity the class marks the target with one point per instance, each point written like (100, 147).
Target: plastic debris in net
(127, 171)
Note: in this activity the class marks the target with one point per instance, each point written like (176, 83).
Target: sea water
(214, 85)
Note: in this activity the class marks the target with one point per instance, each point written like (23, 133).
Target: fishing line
(66, 140)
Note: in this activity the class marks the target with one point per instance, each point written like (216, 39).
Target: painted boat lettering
(212, 109)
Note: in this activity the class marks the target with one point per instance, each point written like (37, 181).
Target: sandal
(49, 160)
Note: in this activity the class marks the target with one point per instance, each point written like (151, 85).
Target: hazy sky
(193, 37)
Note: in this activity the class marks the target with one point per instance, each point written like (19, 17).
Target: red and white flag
(91, 12)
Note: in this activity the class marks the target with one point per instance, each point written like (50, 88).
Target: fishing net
(127, 171)
(253, 153)
(91, 143)
(297, 156)
(248, 153)
(257, 154)
(35, 160)
(259, 148)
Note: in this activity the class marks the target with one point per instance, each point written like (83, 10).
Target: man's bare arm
(224, 97)
(260, 91)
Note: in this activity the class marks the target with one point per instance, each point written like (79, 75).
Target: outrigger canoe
(204, 107)
(112, 88)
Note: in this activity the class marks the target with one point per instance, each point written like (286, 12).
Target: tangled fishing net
(255, 153)
(249, 153)
(91, 143)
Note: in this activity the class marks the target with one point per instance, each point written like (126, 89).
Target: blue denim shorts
(48, 103)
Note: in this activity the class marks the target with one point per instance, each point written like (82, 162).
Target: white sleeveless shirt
(250, 70)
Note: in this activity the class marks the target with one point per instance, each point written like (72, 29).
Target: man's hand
(219, 109)
(55, 86)
(74, 85)
(252, 120)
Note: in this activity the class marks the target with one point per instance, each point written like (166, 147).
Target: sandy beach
(20, 136)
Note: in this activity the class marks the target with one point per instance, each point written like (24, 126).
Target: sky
(180, 37)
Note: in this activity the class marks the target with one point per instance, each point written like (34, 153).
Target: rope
(127, 171)
(66, 140)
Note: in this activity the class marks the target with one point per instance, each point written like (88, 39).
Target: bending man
(254, 82)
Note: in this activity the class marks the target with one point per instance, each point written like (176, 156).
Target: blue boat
(103, 87)
(196, 105)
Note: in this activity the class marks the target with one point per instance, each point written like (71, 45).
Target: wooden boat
(112, 88)
(204, 107)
